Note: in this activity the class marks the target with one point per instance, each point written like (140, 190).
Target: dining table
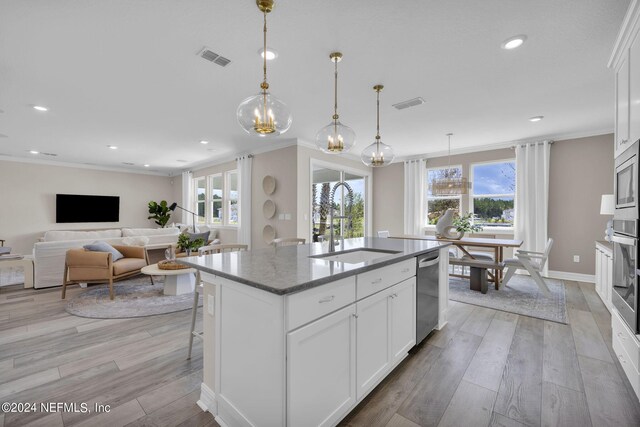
(463, 243)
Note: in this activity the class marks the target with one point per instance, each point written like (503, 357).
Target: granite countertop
(289, 269)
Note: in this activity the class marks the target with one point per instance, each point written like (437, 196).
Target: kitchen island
(294, 336)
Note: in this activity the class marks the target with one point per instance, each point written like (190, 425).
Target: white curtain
(244, 215)
(187, 197)
(414, 186)
(532, 196)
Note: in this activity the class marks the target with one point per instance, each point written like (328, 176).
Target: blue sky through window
(494, 178)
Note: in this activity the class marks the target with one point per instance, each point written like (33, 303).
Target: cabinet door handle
(327, 299)
(624, 141)
(406, 270)
(355, 315)
(622, 337)
(621, 358)
(376, 281)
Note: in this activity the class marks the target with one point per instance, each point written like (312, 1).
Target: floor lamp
(173, 207)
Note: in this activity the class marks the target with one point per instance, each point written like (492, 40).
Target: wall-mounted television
(85, 208)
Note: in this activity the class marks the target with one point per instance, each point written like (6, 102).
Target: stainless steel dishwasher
(427, 295)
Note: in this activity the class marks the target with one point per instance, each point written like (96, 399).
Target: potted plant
(465, 224)
(159, 212)
(186, 245)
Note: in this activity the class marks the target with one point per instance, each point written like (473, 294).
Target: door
(373, 338)
(321, 376)
(622, 106)
(403, 318)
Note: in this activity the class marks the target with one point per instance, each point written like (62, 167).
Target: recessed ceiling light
(112, 147)
(146, 166)
(271, 54)
(204, 142)
(513, 42)
(40, 108)
(536, 118)
(34, 152)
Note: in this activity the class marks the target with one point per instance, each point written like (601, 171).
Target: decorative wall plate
(269, 209)
(269, 185)
(268, 234)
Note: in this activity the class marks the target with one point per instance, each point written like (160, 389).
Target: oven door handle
(624, 240)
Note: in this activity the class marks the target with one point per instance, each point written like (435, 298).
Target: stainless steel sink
(355, 256)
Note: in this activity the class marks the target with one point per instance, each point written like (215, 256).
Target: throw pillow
(195, 236)
(104, 247)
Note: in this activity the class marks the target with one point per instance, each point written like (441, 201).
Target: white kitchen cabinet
(622, 105)
(403, 319)
(374, 340)
(634, 89)
(386, 330)
(604, 272)
(321, 370)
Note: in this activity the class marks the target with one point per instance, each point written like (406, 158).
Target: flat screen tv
(83, 208)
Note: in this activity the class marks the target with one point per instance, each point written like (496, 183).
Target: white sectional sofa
(49, 254)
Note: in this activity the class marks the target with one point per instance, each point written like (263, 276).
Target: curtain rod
(248, 156)
(531, 143)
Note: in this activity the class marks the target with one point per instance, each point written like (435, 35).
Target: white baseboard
(577, 277)
(207, 400)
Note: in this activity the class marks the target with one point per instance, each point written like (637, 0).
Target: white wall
(28, 196)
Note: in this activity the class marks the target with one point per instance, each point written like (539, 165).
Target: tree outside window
(201, 194)
(232, 197)
(217, 214)
(494, 187)
(438, 205)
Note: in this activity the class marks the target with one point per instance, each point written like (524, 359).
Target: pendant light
(264, 114)
(377, 154)
(335, 138)
(449, 184)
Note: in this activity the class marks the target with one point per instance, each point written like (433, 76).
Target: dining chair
(383, 233)
(206, 250)
(531, 261)
(287, 241)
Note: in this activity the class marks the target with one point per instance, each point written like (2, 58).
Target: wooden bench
(478, 272)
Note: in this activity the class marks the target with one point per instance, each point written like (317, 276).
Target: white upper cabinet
(625, 60)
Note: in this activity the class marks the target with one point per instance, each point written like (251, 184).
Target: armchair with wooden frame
(83, 266)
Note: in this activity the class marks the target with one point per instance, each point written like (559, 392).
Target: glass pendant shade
(377, 155)
(264, 115)
(335, 138)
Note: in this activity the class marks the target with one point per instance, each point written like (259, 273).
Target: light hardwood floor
(485, 368)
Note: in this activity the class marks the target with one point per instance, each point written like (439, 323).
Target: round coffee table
(176, 282)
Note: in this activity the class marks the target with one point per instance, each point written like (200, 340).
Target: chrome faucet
(332, 243)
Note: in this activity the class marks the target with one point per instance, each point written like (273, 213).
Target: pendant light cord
(264, 54)
(449, 158)
(378, 122)
(335, 92)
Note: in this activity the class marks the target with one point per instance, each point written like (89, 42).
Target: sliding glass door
(323, 181)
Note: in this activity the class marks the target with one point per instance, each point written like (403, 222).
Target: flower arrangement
(465, 223)
(186, 245)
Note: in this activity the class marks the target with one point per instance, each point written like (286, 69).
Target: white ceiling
(126, 73)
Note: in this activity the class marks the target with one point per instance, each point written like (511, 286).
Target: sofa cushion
(104, 247)
(129, 232)
(135, 241)
(195, 236)
(127, 265)
(59, 235)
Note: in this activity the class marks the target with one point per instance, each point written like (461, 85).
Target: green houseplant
(159, 212)
(186, 245)
(465, 224)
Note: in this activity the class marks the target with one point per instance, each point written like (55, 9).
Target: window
(323, 181)
(201, 194)
(217, 198)
(494, 187)
(438, 205)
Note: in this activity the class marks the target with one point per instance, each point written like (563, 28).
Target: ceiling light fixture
(451, 182)
(204, 142)
(271, 54)
(34, 152)
(536, 118)
(335, 138)
(513, 42)
(146, 166)
(377, 154)
(264, 114)
(112, 147)
(40, 108)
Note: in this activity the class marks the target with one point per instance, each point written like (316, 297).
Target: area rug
(522, 296)
(133, 298)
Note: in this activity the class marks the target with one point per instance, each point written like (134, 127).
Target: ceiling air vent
(210, 55)
(49, 154)
(408, 104)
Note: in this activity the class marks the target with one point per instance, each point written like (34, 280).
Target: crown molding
(628, 30)
(80, 166)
